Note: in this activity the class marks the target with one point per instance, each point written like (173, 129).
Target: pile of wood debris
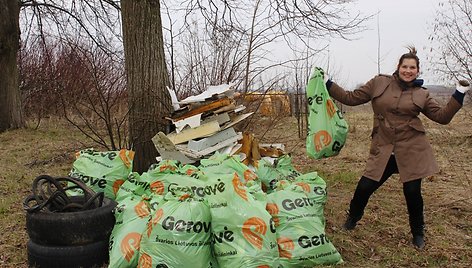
(205, 124)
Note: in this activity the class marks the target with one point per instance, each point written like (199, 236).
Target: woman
(399, 143)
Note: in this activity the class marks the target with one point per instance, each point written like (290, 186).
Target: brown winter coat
(397, 128)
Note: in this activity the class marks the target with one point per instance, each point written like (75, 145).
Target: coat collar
(406, 85)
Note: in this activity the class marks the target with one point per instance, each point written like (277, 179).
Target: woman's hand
(463, 86)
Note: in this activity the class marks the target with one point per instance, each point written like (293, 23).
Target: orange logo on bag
(184, 196)
(141, 209)
(157, 187)
(239, 187)
(249, 175)
(166, 167)
(190, 171)
(330, 108)
(322, 139)
(126, 158)
(253, 229)
(285, 245)
(116, 186)
(273, 210)
(145, 261)
(129, 245)
(155, 219)
(304, 185)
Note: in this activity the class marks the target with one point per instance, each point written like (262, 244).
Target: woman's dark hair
(409, 55)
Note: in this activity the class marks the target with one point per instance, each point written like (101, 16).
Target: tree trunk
(11, 116)
(147, 77)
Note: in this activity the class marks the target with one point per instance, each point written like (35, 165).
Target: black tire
(71, 228)
(91, 255)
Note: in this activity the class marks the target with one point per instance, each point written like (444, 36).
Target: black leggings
(412, 191)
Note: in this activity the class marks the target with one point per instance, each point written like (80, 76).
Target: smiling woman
(399, 143)
(408, 66)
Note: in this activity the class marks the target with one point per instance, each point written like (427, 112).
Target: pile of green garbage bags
(220, 213)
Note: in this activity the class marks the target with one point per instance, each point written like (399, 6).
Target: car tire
(71, 228)
(90, 255)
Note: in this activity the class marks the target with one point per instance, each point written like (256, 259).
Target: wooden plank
(212, 140)
(239, 108)
(228, 142)
(205, 108)
(246, 146)
(167, 149)
(227, 108)
(236, 120)
(210, 92)
(204, 130)
(221, 118)
(280, 146)
(255, 155)
(222, 144)
(270, 151)
(192, 121)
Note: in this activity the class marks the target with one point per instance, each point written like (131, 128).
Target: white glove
(463, 86)
(325, 78)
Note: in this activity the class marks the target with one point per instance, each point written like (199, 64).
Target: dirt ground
(382, 238)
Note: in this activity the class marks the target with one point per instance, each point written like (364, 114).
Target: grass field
(382, 238)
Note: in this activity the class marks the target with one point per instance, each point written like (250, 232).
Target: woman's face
(408, 70)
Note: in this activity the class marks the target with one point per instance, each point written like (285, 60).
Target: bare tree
(451, 39)
(265, 22)
(11, 116)
(147, 77)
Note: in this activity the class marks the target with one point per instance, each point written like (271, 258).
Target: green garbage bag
(301, 237)
(315, 189)
(178, 234)
(227, 164)
(132, 215)
(103, 171)
(327, 129)
(164, 177)
(183, 178)
(271, 173)
(243, 231)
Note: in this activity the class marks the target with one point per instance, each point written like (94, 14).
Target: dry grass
(382, 238)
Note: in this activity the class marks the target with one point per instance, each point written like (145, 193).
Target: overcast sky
(402, 22)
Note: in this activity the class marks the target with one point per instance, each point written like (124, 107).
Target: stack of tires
(70, 239)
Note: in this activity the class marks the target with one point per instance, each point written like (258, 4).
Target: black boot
(418, 241)
(418, 236)
(350, 223)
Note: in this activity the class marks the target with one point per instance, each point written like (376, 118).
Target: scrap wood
(221, 145)
(168, 150)
(199, 154)
(238, 118)
(218, 137)
(246, 146)
(228, 108)
(255, 155)
(211, 92)
(221, 118)
(204, 130)
(204, 108)
(253, 151)
(270, 151)
(192, 121)
(250, 149)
